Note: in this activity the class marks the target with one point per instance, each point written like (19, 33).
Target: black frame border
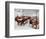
(7, 18)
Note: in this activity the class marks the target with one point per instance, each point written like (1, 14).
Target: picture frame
(25, 7)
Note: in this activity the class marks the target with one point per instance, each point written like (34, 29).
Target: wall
(2, 19)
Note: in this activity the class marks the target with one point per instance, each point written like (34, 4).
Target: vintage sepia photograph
(26, 18)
